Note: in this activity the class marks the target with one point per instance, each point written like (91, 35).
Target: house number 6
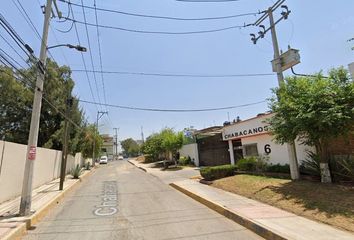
(267, 149)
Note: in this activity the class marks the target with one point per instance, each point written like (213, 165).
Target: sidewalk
(263, 219)
(167, 176)
(43, 199)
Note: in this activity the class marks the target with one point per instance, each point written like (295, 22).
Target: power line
(90, 50)
(100, 56)
(179, 75)
(161, 32)
(161, 17)
(8, 43)
(83, 59)
(30, 23)
(173, 110)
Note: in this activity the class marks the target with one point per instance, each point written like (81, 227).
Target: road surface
(120, 201)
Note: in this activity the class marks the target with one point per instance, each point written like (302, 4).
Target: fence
(46, 167)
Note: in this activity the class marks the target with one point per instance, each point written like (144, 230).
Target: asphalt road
(120, 201)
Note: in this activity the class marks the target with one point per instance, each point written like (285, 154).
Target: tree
(131, 147)
(90, 135)
(16, 105)
(314, 110)
(166, 142)
(153, 146)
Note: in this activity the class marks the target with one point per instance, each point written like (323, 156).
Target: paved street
(120, 201)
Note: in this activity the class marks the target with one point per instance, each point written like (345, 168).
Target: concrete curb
(238, 218)
(141, 168)
(20, 230)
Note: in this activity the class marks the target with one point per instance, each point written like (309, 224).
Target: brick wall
(342, 146)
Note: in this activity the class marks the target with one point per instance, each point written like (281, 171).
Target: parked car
(104, 160)
(120, 158)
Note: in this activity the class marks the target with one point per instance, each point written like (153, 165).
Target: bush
(87, 165)
(247, 164)
(212, 173)
(150, 159)
(278, 168)
(76, 172)
(311, 165)
(184, 161)
(342, 168)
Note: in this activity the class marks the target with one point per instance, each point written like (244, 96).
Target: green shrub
(342, 168)
(76, 171)
(212, 173)
(311, 165)
(247, 164)
(278, 168)
(87, 165)
(184, 161)
(150, 158)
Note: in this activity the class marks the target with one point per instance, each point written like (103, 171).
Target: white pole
(26, 196)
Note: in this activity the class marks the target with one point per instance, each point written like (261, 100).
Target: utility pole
(99, 115)
(142, 134)
(26, 196)
(116, 137)
(64, 156)
(294, 168)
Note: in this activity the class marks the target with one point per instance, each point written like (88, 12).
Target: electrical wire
(160, 32)
(179, 75)
(90, 51)
(83, 59)
(100, 56)
(8, 43)
(173, 110)
(160, 17)
(30, 23)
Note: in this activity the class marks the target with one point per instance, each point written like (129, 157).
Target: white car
(120, 158)
(104, 160)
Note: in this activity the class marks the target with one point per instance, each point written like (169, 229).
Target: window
(250, 150)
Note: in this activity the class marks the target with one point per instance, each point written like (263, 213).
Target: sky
(319, 29)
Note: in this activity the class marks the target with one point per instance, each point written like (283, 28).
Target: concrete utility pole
(116, 137)
(294, 168)
(142, 134)
(99, 115)
(64, 156)
(26, 196)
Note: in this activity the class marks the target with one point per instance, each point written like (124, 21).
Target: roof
(210, 131)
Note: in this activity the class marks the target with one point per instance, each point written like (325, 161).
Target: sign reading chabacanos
(247, 128)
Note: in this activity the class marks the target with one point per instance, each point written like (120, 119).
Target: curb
(141, 168)
(247, 223)
(20, 230)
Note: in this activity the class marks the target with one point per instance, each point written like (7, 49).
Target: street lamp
(77, 47)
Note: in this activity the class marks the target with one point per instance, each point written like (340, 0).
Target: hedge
(213, 173)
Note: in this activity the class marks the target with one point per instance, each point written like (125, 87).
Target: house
(252, 137)
(107, 146)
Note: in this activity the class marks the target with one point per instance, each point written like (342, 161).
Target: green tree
(314, 110)
(16, 106)
(153, 146)
(90, 135)
(131, 147)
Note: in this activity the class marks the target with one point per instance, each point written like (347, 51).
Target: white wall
(190, 150)
(12, 164)
(279, 153)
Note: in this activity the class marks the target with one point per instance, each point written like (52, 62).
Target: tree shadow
(330, 199)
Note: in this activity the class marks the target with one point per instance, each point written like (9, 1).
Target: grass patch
(329, 203)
